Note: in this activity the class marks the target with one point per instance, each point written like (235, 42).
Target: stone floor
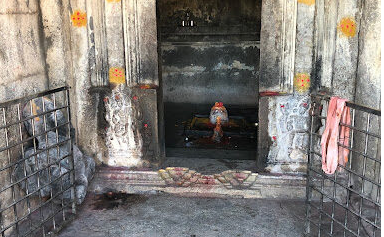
(169, 215)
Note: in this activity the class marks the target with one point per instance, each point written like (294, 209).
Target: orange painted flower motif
(347, 26)
(79, 18)
(302, 82)
(307, 2)
(116, 75)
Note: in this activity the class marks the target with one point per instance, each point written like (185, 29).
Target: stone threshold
(185, 182)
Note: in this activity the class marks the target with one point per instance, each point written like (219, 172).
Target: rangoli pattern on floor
(184, 177)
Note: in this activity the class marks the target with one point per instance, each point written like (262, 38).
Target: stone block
(19, 7)
(20, 52)
(298, 155)
(147, 103)
(300, 122)
(300, 141)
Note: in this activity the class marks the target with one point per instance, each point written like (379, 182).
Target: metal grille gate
(36, 176)
(346, 203)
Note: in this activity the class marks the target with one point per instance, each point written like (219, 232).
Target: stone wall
(44, 46)
(216, 59)
(41, 49)
(336, 46)
(80, 43)
(332, 43)
(215, 17)
(283, 117)
(288, 123)
(368, 91)
(22, 72)
(130, 138)
(207, 72)
(38, 42)
(22, 58)
(50, 39)
(347, 56)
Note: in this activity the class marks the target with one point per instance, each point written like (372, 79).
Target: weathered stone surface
(30, 84)
(325, 34)
(124, 139)
(300, 141)
(84, 107)
(44, 177)
(277, 45)
(22, 73)
(298, 155)
(20, 52)
(18, 7)
(288, 121)
(22, 63)
(217, 15)
(146, 101)
(346, 52)
(215, 60)
(168, 215)
(263, 186)
(114, 30)
(213, 71)
(141, 56)
(304, 38)
(56, 38)
(270, 48)
(368, 91)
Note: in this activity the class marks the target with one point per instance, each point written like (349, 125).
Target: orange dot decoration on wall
(347, 26)
(113, 0)
(307, 2)
(302, 82)
(79, 18)
(116, 75)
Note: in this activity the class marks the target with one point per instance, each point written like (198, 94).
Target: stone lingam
(218, 117)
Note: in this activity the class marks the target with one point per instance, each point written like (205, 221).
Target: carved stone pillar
(277, 45)
(140, 41)
(126, 40)
(124, 139)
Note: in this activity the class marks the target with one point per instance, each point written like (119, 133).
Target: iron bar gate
(37, 195)
(346, 203)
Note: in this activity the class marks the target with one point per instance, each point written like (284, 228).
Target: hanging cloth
(332, 153)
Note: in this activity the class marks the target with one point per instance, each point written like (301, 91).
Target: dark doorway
(209, 52)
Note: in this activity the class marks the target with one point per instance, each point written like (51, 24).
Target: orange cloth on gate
(332, 153)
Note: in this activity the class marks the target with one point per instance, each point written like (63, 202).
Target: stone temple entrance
(209, 52)
(168, 106)
(141, 77)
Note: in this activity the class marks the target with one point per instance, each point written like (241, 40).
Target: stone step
(186, 182)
